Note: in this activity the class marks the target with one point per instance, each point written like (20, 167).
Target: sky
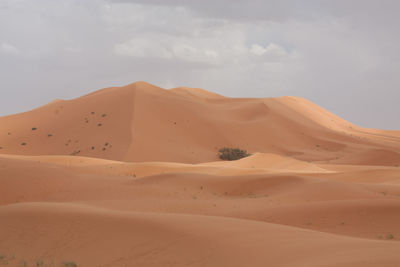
(343, 55)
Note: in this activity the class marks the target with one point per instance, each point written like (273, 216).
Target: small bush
(232, 153)
(34, 129)
(389, 236)
(69, 264)
(76, 152)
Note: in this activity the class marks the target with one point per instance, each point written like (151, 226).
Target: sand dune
(141, 122)
(372, 157)
(129, 176)
(147, 239)
(272, 162)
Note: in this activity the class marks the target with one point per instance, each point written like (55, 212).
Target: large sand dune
(129, 176)
(141, 122)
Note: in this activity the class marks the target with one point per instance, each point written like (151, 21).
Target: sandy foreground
(129, 176)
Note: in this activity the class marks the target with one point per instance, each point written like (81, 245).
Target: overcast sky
(343, 55)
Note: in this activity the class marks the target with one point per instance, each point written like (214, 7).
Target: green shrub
(69, 264)
(389, 236)
(227, 153)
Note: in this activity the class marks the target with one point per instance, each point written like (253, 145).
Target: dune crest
(196, 93)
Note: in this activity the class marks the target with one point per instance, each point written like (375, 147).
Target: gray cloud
(343, 55)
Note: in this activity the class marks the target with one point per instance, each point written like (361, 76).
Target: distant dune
(130, 176)
(142, 122)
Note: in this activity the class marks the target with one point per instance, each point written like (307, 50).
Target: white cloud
(190, 53)
(8, 49)
(271, 52)
(172, 48)
(219, 45)
(143, 48)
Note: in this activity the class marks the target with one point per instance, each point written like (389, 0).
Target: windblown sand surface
(129, 176)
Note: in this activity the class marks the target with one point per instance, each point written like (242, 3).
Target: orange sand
(129, 176)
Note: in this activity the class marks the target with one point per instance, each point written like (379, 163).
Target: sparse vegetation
(34, 129)
(12, 259)
(3, 259)
(252, 195)
(389, 236)
(23, 144)
(76, 152)
(104, 115)
(69, 264)
(232, 153)
(99, 124)
(49, 135)
(92, 147)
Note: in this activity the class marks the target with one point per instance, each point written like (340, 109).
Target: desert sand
(130, 176)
